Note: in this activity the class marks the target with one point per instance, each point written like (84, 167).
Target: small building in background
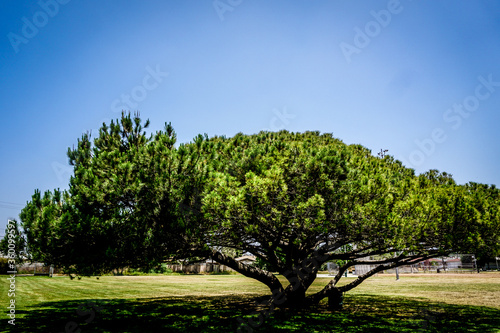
(247, 260)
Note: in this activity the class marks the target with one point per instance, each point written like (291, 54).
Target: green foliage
(44, 219)
(4, 265)
(294, 200)
(129, 206)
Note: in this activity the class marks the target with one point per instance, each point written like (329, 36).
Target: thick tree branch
(382, 265)
(253, 272)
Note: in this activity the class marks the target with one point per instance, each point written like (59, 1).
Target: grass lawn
(213, 303)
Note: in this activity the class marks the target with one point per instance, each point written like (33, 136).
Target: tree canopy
(294, 200)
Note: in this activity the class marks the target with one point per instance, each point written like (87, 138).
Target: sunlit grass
(211, 303)
(461, 289)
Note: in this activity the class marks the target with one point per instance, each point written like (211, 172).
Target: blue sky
(419, 78)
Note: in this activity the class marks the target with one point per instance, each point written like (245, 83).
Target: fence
(197, 268)
(463, 268)
(409, 269)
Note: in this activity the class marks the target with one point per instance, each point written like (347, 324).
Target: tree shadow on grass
(362, 313)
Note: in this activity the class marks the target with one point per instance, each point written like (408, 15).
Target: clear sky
(419, 78)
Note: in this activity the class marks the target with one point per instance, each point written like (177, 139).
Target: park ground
(213, 303)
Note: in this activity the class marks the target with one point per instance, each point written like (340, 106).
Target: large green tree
(299, 200)
(127, 203)
(41, 220)
(294, 200)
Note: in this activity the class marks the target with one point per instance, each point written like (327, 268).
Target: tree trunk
(295, 298)
(336, 301)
